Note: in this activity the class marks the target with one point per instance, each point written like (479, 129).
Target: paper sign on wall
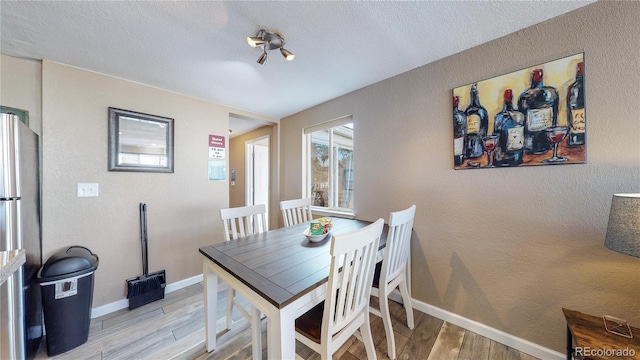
(217, 169)
(217, 165)
(216, 147)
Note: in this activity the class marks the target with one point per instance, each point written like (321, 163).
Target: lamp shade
(623, 230)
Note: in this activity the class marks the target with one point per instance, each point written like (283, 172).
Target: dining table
(280, 272)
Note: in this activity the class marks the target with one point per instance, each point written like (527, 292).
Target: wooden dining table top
(281, 264)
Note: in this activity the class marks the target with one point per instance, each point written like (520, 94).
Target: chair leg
(256, 334)
(388, 329)
(232, 294)
(367, 338)
(406, 300)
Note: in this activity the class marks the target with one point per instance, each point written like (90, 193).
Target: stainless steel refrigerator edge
(21, 325)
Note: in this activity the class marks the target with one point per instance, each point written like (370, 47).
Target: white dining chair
(244, 221)
(345, 310)
(393, 272)
(240, 222)
(296, 211)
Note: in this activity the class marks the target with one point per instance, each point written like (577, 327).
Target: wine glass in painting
(555, 135)
(489, 143)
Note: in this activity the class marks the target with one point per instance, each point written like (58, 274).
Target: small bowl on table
(317, 238)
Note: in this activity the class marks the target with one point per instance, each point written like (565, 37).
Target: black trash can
(66, 280)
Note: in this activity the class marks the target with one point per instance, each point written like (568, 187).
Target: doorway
(257, 160)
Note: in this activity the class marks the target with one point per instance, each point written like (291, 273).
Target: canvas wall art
(534, 116)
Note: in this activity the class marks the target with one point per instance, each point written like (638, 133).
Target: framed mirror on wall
(140, 142)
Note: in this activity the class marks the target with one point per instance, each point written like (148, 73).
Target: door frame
(250, 165)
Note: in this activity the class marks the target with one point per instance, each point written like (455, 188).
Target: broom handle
(146, 241)
(143, 238)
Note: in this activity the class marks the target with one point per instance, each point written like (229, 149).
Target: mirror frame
(114, 141)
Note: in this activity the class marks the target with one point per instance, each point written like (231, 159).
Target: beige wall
(506, 247)
(182, 206)
(20, 87)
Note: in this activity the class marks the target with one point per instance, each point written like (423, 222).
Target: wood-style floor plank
(474, 347)
(502, 352)
(173, 328)
(448, 343)
(422, 340)
(183, 348)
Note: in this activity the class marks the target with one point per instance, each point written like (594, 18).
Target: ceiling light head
(269, 41)
(254, 41)
(288, 55)
(262, 58)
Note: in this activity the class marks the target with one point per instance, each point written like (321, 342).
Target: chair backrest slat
(296, 211)
(351, 272)
(243, 221)
(397, 248)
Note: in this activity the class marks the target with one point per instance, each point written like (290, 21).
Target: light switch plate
(87, 189)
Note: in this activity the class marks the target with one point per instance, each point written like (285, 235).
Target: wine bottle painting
(535, 116)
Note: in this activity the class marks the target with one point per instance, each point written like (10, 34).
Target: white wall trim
(183, 283)
(124, 303)
(502, 337)
(109, 308)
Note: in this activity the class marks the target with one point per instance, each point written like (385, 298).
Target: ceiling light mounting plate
(273, 41)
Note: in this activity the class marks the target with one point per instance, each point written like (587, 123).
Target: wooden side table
(588, 339)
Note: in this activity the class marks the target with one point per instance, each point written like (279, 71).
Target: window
(329, 165)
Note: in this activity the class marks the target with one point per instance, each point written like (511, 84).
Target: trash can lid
(70, 262)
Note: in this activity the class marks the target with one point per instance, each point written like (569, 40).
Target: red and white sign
(217, 147)
(217, 141)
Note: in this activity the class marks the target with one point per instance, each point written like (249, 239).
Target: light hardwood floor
(173, 328)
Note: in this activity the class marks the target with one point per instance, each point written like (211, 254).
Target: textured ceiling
(199, 49)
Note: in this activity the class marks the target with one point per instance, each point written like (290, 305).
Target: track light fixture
(269, 41)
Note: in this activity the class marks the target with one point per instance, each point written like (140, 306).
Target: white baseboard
(502, 337)
(124, 303)
(96, 312)
(183, 283)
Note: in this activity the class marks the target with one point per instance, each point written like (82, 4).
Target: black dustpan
(150, 286)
